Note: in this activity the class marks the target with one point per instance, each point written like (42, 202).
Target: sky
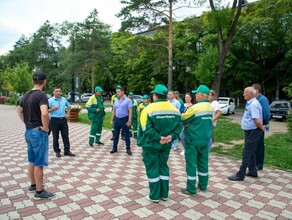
(24, 17)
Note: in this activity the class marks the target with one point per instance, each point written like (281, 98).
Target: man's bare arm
(45, 117)
(19, 111)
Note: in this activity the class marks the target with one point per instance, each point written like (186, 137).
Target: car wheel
(228, 112)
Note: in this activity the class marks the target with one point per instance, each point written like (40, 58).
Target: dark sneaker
(112, 138)
(58, 155)
(151, 200)
(164, 199)
(129, 152)
(44, 195)
(99, 143)
(32, 189)
(184, 191)
(90, 145)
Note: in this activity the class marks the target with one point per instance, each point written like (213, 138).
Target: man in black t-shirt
(33, 111)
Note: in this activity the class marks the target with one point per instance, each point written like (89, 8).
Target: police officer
(134, 126)
(96, 114)
(160, 124)
(197, 121)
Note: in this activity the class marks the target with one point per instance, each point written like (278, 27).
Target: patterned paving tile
(97, 185)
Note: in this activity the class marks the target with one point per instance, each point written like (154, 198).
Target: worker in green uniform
(143, 104)
(160, 124)
(96, 114)
(134, 123)
(197, 121)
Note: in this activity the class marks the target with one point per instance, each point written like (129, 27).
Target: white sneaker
(182, 153)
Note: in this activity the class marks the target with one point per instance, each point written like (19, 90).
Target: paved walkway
(97, 185)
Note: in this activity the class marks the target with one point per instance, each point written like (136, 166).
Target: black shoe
(235, 178)
(252, 175)
(69, 153)
(259, 168)
(112, 138)
(58, 154)
(129, 152)
(113, 151)
(99, 143)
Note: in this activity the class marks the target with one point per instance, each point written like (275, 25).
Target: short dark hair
(160, 96)
(56, 87)
(257, 87)
(122, 89)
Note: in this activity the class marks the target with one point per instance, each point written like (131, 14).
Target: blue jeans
(37, 147)
(120, 123)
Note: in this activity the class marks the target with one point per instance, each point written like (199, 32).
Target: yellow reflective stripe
(164, 177)
(191, 178)
(202, 174)
(98, 134)
(154, 180)
(92, 136)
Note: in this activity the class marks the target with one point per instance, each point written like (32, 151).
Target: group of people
(157, 126)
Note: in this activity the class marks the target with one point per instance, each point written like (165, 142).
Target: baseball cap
(160, 89)
(98, 88)
(145, 96)
(131, 93)
(202, 89)
(39, 75)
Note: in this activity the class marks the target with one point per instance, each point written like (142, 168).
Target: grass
(278, 151)
(227, 131)
(106, 123)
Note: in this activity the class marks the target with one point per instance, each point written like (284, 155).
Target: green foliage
(227, 131)
(278, 151)
(206, 66)
(18, 79)
(12, 100)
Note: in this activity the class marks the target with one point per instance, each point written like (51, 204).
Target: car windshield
(280, 105)
(223, 101)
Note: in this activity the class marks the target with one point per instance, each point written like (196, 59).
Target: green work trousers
(157, 170)
(196, 157)
(134, 127)
(95, 131)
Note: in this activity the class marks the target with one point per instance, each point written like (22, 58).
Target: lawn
(278, 147)
(278, 151)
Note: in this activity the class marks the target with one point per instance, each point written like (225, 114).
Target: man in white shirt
(216, 114)
(172, 100)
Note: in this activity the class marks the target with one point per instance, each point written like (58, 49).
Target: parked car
(85, 97)
(227, 105)
(77, 96)
(138, 98)
(280, 109)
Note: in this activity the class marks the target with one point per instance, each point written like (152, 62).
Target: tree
(224, 20)
(152, 14)
(18, 79)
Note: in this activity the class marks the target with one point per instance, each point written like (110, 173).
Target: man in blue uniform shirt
(254, 130)
(58, 122)
(260, 151)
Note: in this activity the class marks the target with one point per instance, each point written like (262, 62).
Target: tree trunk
(170, 55)
(92, 78)
(224, 45)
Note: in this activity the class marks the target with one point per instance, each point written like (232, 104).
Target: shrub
(289, 122)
